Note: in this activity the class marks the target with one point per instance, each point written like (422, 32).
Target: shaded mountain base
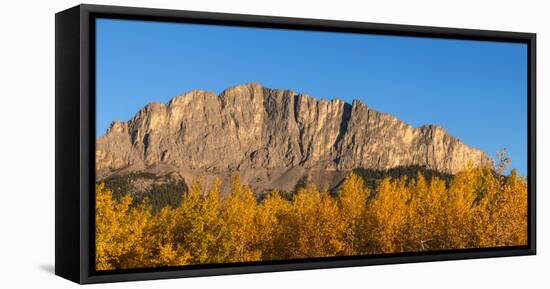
(160, 190)
(371, 177)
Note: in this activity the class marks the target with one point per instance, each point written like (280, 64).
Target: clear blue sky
(476, 90)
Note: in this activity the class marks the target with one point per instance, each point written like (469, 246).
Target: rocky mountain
(273, 139)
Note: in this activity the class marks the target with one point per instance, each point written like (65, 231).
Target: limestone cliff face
(272, 138)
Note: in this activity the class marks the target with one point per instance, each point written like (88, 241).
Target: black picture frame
(75, 141)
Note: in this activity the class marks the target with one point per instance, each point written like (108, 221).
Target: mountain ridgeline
(273, 139)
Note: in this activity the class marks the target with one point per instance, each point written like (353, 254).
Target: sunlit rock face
(272, 138)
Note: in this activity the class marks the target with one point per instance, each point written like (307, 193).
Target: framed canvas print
(193, 144)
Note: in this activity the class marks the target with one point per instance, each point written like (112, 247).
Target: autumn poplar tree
(352, 201)
(119, 231)
(237, 226)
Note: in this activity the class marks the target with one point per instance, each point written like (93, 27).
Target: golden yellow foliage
(119, 231)
(314, 227)
(237, 226)
(479, 207)
(272, 225)
(387, 216)
(352, 202)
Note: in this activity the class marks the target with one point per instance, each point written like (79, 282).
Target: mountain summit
(273, 139)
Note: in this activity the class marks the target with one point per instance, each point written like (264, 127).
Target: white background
(27, 144)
